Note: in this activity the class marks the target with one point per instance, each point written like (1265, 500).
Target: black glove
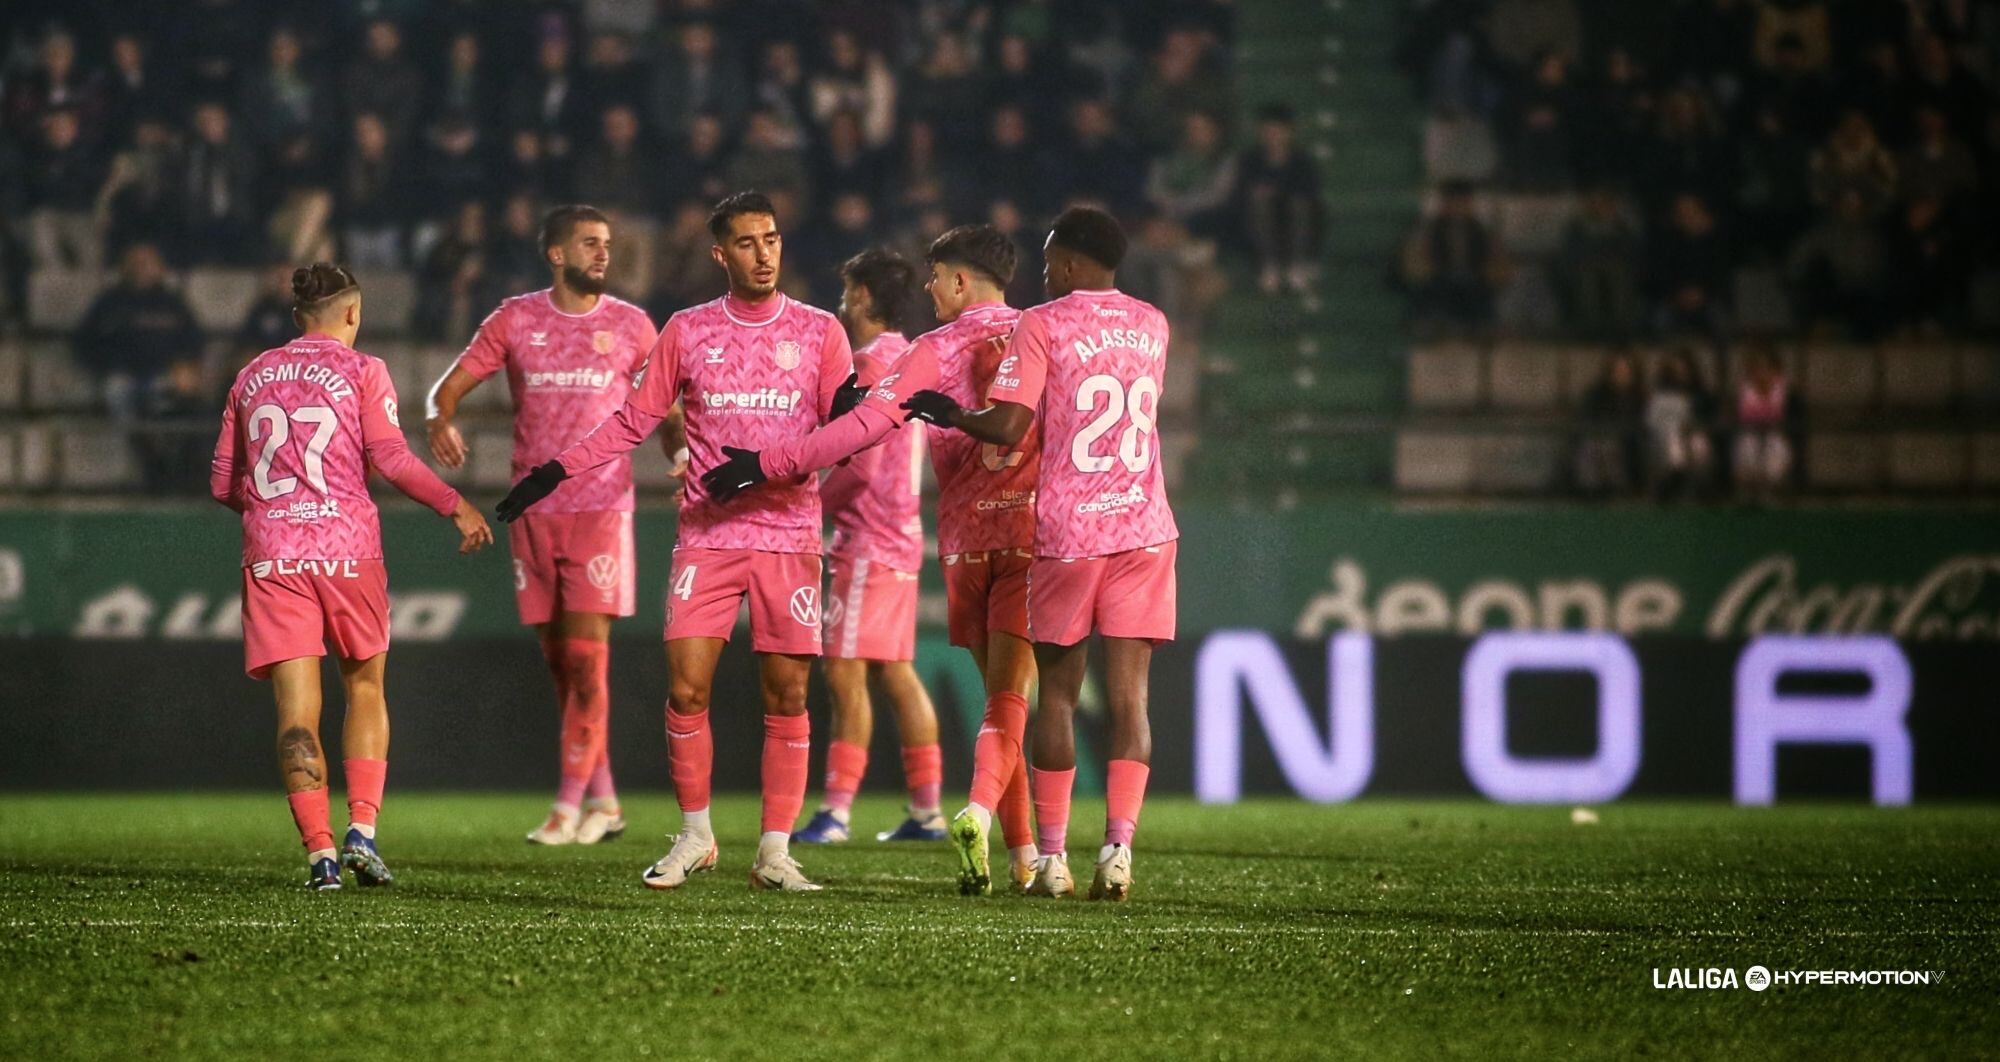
(734, 476)
(539, 483)
(931, 407)
(848, 395)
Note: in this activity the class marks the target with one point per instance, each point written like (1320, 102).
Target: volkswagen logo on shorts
(805, 605)
(603, 571)
(835, 608)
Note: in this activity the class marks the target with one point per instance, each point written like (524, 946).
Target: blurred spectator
(452, 290)
(1025, 289)
(142, 196)
(1599, 268)
(920, 174)
(55, 83)
(945, 92)
(615, 75)
(1799, 23)
(515, 261)
(684, 273)
(1011, 166)
(1451, 266)
(1616, 115)
(63, 177)
(454, 166)
(1459, 147)
(374, 199)
(549, 100)
(847, 229)
(1541, 130)
(133, 89)
(1686, 153)
(381, 81)
(844, 162)
(857, 82)
(1283, 209)
(780, 92)
(1690, 271)
(1944, 84)
(614, 174)
(1174, 271)
(1773, 201)
(1852, 159)
(1521, 31)
(526, 167)
(1929, 264)
(695, 77)
(282, 102)
(268, 324)
(1098, 163)
(766, 164)
(224, 211)
(1762, 460)
(699, 166)
(1179, 81)
(134, 332)
(464, 90)
(1838, 270)
(1194, 184)
(1610, 447)
(1937, 165)
(173, 449)
(1679, 411)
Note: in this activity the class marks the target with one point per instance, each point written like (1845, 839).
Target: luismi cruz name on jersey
(764, 401)
(1107, 338)
(335, 385)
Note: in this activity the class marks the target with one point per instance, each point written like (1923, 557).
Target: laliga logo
(603, 571)
(805, 606)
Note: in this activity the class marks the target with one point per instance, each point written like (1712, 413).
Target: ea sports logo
(1756, 979)
(805, 606)
(603, 571)
(835, 609)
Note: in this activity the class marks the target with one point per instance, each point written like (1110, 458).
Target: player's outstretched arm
(440, 407)
(473, 534)
(540, 482)
(222, 467)
(1002, 423)
(382, 440)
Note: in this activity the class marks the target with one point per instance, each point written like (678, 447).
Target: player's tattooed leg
(300, 760)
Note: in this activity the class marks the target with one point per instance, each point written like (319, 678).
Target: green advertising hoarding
(1917, 574)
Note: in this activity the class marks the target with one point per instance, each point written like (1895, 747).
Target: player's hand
(447, 445)
(848, 395)
(932, 407)
(678, 471)
(473, 534)
(742, 471)
(536, 485)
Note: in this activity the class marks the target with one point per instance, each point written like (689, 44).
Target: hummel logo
(714, 356)
(538, 339)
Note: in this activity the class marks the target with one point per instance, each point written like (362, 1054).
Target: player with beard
(570, 352)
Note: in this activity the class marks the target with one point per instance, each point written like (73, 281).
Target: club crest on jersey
(805, 606)
(787, 355)
(538, 339)
(603, 342)
(603, 571)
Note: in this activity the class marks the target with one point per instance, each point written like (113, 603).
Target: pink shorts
(572, 562)
(871, 611)
(1124, 595)
(708, 587)
(291, 609)
(986, 592)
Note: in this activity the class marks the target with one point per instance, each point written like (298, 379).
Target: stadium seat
(1528, 305)
(1525, 377)
(1928, 461)
(1445, 376)
(1986, 461)
(389, 299)
(1839, 377)
(34, 457)
(57, 298)
(220, 298)
(13, 374)
(1520, 463)
(1431, 462)
(55, 381)
(1984, 298)
(1843, 461)
(1531, 226)
(96, 457)
(1761, 302)
(1979, 378)
(1919, 376)
(1581, 367)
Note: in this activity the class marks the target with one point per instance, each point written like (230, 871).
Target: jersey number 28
(1135, 445)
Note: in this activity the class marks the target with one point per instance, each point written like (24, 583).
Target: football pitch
(175, 925)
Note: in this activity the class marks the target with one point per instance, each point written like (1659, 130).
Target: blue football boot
(325, 876)
(824, 828)
(357, 853)
(928, 828)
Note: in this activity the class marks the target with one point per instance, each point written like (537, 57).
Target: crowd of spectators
(1849, 150)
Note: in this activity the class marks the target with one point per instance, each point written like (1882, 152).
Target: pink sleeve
(869, 369)
(878, 414)
(382, 435)
(836, 363)
(1026, 367)
(653, 393)
(487, 353)
(222, 468)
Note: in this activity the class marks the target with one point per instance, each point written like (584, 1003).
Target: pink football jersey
(303, 425)
(1090, 365)
(986, 493)
(567, 372)
(747, 375)
(874, 499)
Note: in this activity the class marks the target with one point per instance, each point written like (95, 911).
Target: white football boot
(777, 871)
(689, 856)
(559, 829)
(600, 824)
(1051, 876)
(1113, 880)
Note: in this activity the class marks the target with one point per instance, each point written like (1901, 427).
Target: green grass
(175, 926)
